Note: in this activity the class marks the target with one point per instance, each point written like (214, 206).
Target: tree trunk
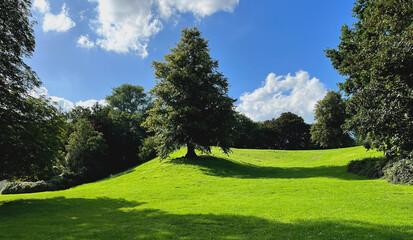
(191, 151)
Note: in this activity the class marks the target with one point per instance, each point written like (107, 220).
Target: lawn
(252, 194)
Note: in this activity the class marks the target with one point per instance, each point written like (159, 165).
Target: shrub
(368, 167)
(148, 149)
(59, 182)
(25, 187)
(400, 172)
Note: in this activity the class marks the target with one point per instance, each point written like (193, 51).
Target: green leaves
(376, 56)
(191, 98)
(330, 116)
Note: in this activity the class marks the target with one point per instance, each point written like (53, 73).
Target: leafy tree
(121, 131)
(192, 106)
(129, 98)
(85, 151)
(330, 116)
(31, 130)
(376, 56)
(289, 131)
(31, 146)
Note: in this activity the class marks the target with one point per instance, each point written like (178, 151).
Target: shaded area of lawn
(226, 168)
(105, 218)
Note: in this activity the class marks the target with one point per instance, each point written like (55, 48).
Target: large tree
(330, 116)
(192, 106)
(376, 56)
(31, 130)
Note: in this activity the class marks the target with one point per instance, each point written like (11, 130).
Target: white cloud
(297, 94)
(127, 25)
(59, 23)
(41, 5)
(200, 8)
(90, 103)
(85, 42)
(64, 104)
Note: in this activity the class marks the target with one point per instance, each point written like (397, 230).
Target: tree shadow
(105, 218)
(222, 167)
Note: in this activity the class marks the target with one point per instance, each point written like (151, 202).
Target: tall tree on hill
(330, 116)
(192, 105)
(376, 56)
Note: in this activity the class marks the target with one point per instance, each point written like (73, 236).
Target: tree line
(189, 104)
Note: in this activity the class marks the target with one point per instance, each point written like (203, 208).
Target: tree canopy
(32, 130)
(129, 98)
(192, 105)
(330, 116)
(376, 56)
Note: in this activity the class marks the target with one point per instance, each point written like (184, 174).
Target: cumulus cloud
(126, 26)
(85, 42)
(59, 23)
(41, 5)
(64, 104)
(91, 102)
(297, 94)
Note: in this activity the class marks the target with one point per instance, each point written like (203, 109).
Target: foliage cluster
(330, 116)
(32, 131)
(376, 56)
(104, 139)
(289, 131)
(369, 167)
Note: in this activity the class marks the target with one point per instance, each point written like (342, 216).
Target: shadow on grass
(226, 168)
(105, 218)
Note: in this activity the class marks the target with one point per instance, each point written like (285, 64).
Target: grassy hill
(252, 194)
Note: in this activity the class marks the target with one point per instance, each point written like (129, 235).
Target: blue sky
(270, 51)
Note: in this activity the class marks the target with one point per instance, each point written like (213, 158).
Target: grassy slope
(253, 194)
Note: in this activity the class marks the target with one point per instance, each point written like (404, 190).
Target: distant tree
(245, 132)
(121, 131)
(192, 106)
(289, 131)
(376, 56)
(330, 116)
(31, 130)
(129, 98)
(85, 151)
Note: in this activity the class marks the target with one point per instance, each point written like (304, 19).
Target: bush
(368, 167)
(400, 172)
(25, 187)
(148, 149)
(59, 182)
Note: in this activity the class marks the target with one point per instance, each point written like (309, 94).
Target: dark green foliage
(129, 98)
(330, 116)
(400, 172)
(289, 131)
(31, 130)
(59, 182)
(85, 151)
(369, 167)
(376, 56)
(148, 149)
(25, 187)
(121, 131)
(33, 143)
(192, 106)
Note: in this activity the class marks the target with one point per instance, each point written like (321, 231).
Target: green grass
(252, 194)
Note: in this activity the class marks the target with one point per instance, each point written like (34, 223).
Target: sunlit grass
(252, 194)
